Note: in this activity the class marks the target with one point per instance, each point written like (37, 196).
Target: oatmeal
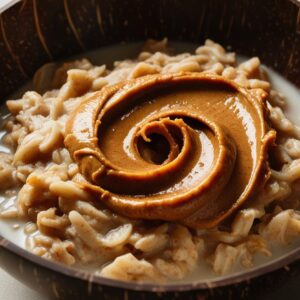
(85, 148)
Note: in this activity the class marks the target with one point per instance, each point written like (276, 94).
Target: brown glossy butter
(186, 147)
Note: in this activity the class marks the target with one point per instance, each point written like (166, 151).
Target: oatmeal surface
(68, 223)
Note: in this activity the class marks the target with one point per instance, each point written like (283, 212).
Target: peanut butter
(185, 147)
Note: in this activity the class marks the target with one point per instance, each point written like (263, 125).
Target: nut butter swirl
(186, 147)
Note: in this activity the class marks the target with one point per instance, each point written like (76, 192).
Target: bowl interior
(33, 32)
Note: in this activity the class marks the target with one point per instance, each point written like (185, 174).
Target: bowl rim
(235, 278)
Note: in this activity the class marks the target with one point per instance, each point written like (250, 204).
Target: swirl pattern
(185, 147)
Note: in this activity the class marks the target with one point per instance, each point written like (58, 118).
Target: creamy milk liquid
(14, 230)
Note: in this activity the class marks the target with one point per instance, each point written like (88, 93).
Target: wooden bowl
(35, 32)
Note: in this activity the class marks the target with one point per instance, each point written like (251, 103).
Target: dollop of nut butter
(186, 147)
